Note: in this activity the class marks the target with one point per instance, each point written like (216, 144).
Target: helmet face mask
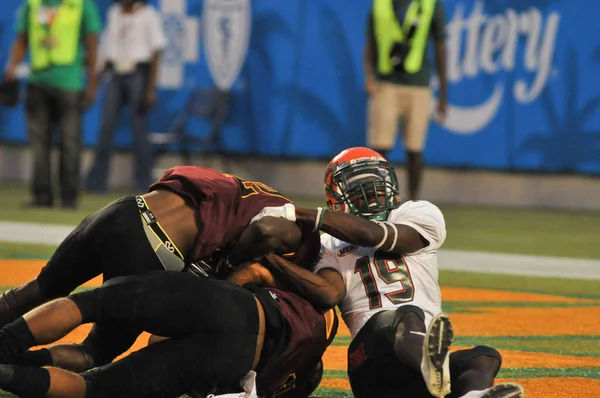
(366, 187)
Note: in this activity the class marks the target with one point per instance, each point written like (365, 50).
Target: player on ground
(217, 332)
(188, 214)
(379, 264)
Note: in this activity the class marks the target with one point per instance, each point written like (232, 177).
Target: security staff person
(62, 37)
(398, 72)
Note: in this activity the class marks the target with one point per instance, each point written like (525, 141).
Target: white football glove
(287, 211)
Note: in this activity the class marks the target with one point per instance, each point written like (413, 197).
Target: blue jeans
(121, 90)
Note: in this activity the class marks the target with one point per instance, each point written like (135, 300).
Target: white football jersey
(378, 280)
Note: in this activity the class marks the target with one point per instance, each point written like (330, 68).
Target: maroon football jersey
(226, 204)
(310, 332)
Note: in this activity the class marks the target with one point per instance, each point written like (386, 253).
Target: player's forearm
(267, 235)
(440, 64)
(91, 48)
(347, 227)
(311, 286)
(368, 66)
(252, 246)
(153, 73)
(18, 50)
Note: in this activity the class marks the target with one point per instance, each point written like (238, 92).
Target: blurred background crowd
(477, 101)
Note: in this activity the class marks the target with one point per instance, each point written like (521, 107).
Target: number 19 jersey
(377, 281)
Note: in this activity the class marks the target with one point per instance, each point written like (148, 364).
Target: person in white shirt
(130, 52)
(379, 265)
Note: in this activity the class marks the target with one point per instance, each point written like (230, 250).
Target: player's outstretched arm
(386, 236)
(264, 236)
(324, 289)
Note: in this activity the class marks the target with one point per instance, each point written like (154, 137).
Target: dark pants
(213, 328)
(111, 242)
(375, 371)
(45, 108)
(121, 90)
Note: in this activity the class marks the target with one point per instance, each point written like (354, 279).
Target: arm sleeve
(22, 20)
(158, 41)
(91, 23)
(427, 220)
(438, 23)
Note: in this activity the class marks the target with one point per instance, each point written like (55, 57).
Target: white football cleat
(435, 365)
(503, 390)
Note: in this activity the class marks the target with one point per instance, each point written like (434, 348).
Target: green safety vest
(64, 31)
(388, 31)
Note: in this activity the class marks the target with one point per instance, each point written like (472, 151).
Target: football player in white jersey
(379, 265)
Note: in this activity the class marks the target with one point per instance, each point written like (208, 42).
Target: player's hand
(441, 111)
(287, 211)
(10, 73)
(371, 85)
(150, 99)
(89, 96)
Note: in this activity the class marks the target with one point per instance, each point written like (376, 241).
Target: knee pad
(411, 316)
(93, 353)
(481, 352)
(73, 357)
(17, 301)
(86, 303)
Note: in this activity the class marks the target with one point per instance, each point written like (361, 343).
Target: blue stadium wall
(524, 76)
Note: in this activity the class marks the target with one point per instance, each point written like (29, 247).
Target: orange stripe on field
(464, 294)
(340, 384)
(17, 272)
(335, 358)
(343, 330)
(79, 334)
(528, 322)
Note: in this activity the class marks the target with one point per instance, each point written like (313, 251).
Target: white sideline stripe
(44, 234)
(516, 264)
(496, 263)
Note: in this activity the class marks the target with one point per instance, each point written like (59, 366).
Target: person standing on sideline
(62, 37)
(398, 72)
(131, 47)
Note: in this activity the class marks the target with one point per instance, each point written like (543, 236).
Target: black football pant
(212, 325)
(375, 371)
(111, 242)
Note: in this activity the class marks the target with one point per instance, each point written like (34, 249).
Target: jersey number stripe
(250, 188)
(390, 269)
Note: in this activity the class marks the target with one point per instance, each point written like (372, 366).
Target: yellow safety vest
(388, 31)
(54, 40)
